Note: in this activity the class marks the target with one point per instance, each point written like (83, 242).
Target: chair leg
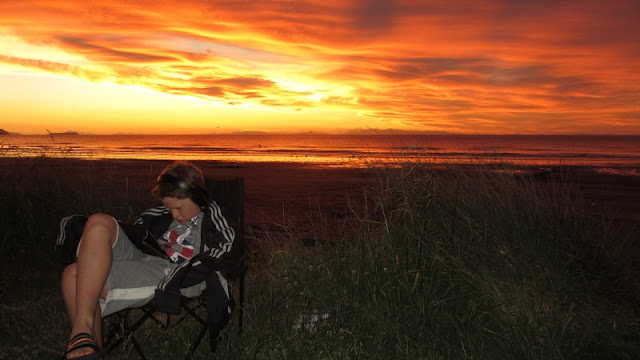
(138, 348)
(195, 344)
(203, 329)
(127, 332)
(114, 329)
(240, 303)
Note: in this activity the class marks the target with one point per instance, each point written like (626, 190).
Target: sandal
(80, 341)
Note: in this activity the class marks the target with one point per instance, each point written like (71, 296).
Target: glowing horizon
(493, 67)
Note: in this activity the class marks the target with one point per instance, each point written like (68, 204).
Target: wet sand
(275, 193)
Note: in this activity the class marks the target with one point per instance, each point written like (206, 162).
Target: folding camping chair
(229, 194)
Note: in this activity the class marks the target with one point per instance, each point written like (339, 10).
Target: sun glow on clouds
(14, 47)
(471, 67)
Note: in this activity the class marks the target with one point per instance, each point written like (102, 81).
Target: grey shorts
(134, 276)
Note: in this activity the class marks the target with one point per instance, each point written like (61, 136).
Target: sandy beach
(277, 192)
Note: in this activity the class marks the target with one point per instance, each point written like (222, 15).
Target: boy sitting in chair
(176, 249)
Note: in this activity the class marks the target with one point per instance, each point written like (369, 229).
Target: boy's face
(181, 209)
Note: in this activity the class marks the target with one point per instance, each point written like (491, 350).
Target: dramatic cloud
(496, 66)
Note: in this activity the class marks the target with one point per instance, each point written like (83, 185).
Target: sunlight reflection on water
(611, 154)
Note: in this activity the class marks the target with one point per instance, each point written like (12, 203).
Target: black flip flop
(80, 341)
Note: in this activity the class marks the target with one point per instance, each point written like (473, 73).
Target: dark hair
(181, 180)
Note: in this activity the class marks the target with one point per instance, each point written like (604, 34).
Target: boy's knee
(103, 221)
(69, 272)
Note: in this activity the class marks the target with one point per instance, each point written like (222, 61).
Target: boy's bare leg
(84, 282)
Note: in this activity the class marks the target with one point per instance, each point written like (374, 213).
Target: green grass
(473, 262)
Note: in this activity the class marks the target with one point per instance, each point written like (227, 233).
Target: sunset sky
(196, 66)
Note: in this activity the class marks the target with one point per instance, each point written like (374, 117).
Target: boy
(172, 250)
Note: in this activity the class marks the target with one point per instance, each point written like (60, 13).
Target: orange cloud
(494, 66)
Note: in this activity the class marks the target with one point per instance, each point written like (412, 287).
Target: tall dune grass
(470, 262)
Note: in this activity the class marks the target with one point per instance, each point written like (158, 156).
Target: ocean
(616, 154)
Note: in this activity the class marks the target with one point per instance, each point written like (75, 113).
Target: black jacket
(217, 251)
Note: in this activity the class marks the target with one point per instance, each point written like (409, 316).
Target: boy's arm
(146, 230)
(219, 234)
(71, 228)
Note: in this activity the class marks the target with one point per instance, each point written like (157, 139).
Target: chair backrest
(229, 193)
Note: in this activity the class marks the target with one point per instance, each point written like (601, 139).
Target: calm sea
(608, 153)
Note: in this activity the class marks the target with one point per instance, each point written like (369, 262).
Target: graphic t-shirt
(182, 241)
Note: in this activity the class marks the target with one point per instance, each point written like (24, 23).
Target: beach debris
(311, 320)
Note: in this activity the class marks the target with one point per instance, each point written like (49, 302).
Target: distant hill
(258, 132)
(69, 132)
(250, 133)
(391, 131)
(3, 132)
